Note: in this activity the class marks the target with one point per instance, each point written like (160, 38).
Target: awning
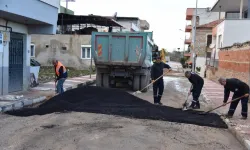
(67, 19)
(229, 5)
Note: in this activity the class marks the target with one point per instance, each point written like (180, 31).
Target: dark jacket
(157, 70)
(61, 74)
(235, 85)
(196, 81)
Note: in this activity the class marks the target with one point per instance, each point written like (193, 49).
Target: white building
(235, 27)
(18, 20)
(204, 17)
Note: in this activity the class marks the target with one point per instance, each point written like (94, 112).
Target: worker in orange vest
(61, 75)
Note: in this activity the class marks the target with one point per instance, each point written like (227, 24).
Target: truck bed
(119, 49)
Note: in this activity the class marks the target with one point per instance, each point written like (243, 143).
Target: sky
(166, 17)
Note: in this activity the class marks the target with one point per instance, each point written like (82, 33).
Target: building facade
(17, 23)
(235, 27)
(231, 48)
(73, 48)
(205, 21)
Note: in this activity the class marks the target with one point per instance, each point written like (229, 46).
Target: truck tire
(144, 82)
(136, 83)
(105, 80)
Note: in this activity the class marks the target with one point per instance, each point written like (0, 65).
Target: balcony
(188, 41)
(188, 28)
(43, 18)
(189, 13)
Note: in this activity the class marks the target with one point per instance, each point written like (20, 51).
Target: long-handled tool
(184, 105)
(138, 92)
(204, 113)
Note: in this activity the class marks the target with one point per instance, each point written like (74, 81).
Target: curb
(27, 102)
(235, 133)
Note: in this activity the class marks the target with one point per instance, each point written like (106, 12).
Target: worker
(158, 86)
(196, 88)
(240, 89)
(61, 75)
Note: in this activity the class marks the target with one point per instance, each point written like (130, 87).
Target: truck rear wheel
(136, 83)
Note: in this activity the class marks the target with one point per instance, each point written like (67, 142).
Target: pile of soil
(118, 102)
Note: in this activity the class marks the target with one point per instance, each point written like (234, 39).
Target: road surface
(87, 131)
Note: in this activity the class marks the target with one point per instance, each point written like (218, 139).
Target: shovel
(138, 92)
(185, 104)
(205, 113)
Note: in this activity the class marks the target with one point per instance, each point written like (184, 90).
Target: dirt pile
(117, 102)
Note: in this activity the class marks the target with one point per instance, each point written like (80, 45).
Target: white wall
(200, 62)
(55, 3)
(207, 16)
(236, 31)
(220, 31)
(4, 56)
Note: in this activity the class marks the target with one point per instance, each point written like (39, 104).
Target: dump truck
(122, 57)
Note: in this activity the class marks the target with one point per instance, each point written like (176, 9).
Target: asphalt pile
(117, 102)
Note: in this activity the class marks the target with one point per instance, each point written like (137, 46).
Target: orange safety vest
(59, 65)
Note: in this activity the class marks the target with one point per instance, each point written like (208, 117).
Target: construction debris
(117, 102)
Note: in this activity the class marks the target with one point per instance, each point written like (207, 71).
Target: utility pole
(183, 41)
(194, 38)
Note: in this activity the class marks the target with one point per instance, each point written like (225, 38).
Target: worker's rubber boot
(194, 105)
(155, 100)
(197, 105)
(159, 100)
(244, 118)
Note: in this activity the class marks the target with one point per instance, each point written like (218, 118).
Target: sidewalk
(214, 94)
(40, 93)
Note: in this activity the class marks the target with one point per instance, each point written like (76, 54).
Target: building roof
(123, 18)
(211, 24)
(228, 5)
(67, 19)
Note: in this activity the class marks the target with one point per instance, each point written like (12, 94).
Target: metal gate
(16, 62)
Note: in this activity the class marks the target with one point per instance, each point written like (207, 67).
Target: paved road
(87, 131)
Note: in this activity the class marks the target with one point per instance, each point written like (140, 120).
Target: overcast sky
(165, 17)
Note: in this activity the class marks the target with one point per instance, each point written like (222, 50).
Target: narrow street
(75, 130)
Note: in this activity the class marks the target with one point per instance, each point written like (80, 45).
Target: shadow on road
(117, 102)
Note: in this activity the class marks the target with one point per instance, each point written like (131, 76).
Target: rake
(138, 92)
(205, 113)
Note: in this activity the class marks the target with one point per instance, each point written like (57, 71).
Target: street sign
(6, 36)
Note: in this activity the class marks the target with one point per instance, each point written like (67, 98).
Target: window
(219, 41)
(32, 50)
(86, 52)
(209, 40)
(232, 15)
